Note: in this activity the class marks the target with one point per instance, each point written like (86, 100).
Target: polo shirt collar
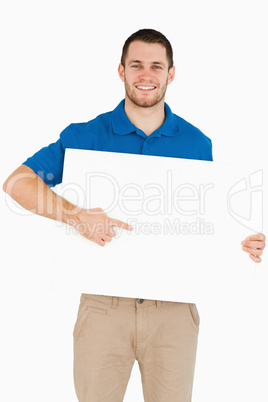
(122, 125)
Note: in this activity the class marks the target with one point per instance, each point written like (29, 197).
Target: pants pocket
(83, 312)
(194, 314)
(96, 310)
(81, 319)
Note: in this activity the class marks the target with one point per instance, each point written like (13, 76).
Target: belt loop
(114, 302)
(158, 303)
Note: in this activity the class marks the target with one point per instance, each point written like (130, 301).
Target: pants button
(140, 301)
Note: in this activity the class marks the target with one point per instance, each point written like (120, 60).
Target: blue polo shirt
(114, 132)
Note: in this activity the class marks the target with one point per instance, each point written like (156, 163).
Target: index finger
(121, 224)
(259, 236)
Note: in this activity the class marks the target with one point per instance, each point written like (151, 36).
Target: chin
(145, 102)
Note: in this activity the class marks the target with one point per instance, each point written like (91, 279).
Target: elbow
(5, 186)
(13, 181)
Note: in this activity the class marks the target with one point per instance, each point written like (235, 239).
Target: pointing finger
(121, 224)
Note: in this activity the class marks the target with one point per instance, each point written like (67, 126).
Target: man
(111, 332)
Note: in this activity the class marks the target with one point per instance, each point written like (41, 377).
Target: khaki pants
(112, 332)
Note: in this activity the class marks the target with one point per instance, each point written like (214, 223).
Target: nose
(145, 74)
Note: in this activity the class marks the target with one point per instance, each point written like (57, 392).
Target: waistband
(114, 301)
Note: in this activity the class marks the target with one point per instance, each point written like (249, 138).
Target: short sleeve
(210, 153)
(48, 161)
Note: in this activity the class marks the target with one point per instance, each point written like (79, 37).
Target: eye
(135, 66)
(157, 67)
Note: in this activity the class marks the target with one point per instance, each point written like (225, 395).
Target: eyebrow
(154, 62)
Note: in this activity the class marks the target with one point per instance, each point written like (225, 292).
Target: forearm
(33, 194)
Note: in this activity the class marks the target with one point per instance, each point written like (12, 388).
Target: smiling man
(112, 332)
(146, 78)
(146, 69)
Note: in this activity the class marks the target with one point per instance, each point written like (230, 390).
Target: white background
(59, 65)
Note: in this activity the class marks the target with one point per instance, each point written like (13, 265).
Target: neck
(147, 119)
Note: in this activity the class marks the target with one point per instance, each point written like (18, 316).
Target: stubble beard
(143, 102)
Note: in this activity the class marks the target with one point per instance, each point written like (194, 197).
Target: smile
(145, 87)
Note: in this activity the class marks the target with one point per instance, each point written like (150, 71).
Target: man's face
(146, 73)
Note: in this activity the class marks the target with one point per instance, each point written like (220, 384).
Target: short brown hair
(148, 36)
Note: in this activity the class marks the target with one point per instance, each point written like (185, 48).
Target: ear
(171, 74)
(121, 72)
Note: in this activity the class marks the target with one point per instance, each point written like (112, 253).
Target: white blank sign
(189, 218)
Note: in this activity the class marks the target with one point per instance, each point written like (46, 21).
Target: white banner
(189, 218)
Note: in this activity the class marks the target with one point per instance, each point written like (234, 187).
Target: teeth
(143, 87)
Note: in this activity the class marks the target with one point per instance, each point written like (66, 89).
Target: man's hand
(96, 226)
(254, 245)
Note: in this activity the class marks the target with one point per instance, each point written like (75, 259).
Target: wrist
(70, 214)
